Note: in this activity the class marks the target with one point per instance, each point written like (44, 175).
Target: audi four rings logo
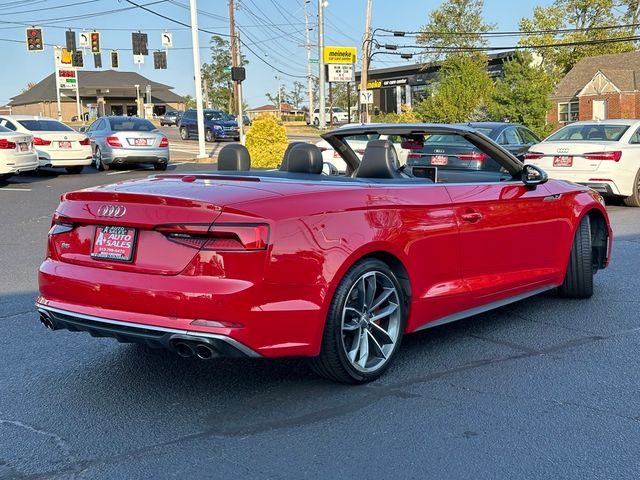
(563, 150)
(111, 211)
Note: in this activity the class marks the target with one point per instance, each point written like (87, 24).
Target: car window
(595, 131)
(214, 115)
(527, 136)
(42, 125)
(190, 115)
(635, 138)
(7, 124)
(93, 126)
(4, 129)
(510, 137)
(131, 124)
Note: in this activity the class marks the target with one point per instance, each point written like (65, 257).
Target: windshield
(131, 124)
(45, 126)
(217, 115)
(591, 131)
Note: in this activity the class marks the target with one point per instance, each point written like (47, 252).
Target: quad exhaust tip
(188, 349)
(46, 321)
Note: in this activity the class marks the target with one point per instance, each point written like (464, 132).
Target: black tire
(236, 139)
(335, 120)
(184, 133)
(162, 124)
(162, 166)
(208, 135)
(633, 200)
(97, 161)
(334, 362)
(75, 170)
(578, 281)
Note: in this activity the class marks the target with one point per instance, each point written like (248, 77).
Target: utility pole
(279, 97)
(321, 102)
(56, 60)
(239, 84)
(235, 61)
(364, 76)
(195, 42)
(308, 45)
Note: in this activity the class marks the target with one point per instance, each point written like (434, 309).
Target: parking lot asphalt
(546, 388)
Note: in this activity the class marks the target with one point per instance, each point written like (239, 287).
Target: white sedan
(57, 144)
(16, 153)
(604, 155)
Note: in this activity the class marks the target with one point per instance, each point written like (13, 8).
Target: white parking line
(7, 189)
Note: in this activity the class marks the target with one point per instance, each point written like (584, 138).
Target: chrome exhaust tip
(204, 351)
(46, 321)
(184, 349)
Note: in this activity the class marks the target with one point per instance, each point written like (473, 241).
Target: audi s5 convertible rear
(296, 263)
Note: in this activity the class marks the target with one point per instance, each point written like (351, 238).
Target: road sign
(167, 39)
(226, 69)
(67, 78)
(366, 97)
(84, 39)
(339, 55)
(340, 73)
(313, 60)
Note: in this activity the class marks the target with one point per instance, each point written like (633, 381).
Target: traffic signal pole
(197, 74)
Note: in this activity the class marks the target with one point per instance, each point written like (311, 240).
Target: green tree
(586, 16)
(216, 83)
(189, 102)
(522, 95)
(462, 91)
(297, 94)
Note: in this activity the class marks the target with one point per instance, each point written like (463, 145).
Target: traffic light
(97, 60)
(34, 40)
(77, 59)
(114, 59)
(160, 60)
(95, 42)
(71, 40)
(139, 43)
(238, 74)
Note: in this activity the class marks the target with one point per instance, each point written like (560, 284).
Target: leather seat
(234, 157)
(285, 158)
(379, 160)
(304, 158)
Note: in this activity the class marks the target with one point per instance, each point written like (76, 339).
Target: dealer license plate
(563, 161)
(114, 243)
(24, 147)
(439, 160)
(140, 141)
(64, 144)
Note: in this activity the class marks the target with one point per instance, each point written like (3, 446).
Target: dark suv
(218, 125)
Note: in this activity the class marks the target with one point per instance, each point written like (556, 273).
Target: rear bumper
(125, 155)
(152, 336)
(62, 158)
(20, 165)
(603, 188)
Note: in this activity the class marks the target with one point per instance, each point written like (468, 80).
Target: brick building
(606, 86)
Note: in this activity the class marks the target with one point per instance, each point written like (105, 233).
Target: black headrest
(305, 158)
(284, 166)
(234, 157)
(379, 160)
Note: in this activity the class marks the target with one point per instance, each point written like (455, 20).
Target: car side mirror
(533, 175)
(329, 169)
(82, 129)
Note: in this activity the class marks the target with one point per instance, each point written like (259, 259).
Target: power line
(68, 5)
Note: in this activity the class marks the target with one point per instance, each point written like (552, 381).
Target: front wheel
(316, 122)
(162, 166)
(184, 133)
(364, 325)
(633, 200)
(335, 119)
(208, 135)
(578, 281)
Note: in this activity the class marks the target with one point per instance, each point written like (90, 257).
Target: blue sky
(273, 29)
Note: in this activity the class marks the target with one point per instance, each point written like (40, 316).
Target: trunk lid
(569, 156)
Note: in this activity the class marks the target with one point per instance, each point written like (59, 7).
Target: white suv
(604, 155)
(337, 114)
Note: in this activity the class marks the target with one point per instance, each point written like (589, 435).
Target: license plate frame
(111, 248)
(439, 160)
(64, 145)
(563, 161)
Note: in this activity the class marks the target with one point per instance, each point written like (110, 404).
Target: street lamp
(137, 99)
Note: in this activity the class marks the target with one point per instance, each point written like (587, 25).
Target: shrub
(266, 142)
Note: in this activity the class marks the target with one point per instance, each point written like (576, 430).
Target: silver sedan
(122, 140)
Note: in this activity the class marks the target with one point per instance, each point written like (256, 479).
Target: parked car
(453, 151)
(604, 155)
(338, 115)
(122, 140)
(170, 118)
(246, 121)
(292, 262)
(17, 154)
(218, 125)
(57, 144)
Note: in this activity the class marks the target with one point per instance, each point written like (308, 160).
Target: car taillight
(40, 141)
(221, 236)
(615, 156)
(414, 155)
(164, 142)
(60, 224)
(472, 157)
(113, 141)
(85, 141)
(533, 155)
(6, 144)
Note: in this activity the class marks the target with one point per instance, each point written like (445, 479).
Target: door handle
(471, 217)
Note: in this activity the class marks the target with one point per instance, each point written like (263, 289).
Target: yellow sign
(339, 55)
(65, 57)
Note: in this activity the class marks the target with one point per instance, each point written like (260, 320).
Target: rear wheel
(97, 161)
(75, 170)
(335, 119)
(364, 325)
(578, 281)
(184, 133)
(162, 166)
(633, 200)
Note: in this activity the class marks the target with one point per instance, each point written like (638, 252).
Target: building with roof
(285, 109)
(606, 86)
(106, 92)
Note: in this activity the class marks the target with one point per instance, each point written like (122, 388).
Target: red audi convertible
(300, 261)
